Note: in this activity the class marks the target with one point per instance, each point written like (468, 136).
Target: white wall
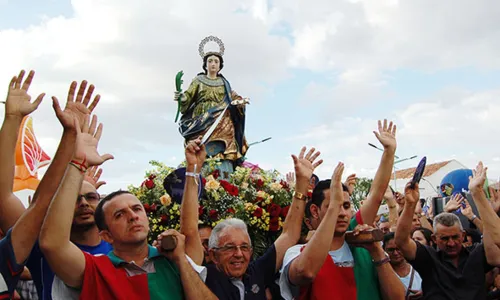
(429, 184)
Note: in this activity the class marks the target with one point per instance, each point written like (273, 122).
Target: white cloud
(131, 51)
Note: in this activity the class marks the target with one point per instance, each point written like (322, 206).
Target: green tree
(361, 190)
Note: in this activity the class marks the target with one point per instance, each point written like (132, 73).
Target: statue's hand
(241, 102)
(177, 95)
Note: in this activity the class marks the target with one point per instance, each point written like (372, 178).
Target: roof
(429, 170)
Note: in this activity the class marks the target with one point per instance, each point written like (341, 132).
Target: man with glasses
(452, 271)
(232, 275)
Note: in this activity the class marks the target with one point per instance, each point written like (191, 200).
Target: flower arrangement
(260, 198)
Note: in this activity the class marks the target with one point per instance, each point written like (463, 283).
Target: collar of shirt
(152, 253)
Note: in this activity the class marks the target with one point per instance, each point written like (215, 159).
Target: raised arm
(387, 137)
(195, 157)
(304, 168)
(66, 260)
(17, 106)
(491, 222)
(27, 229)
(403, 230)
(306, 266)
(392, 205)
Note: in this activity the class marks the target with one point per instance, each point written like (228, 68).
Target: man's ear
(434, 239)
(213, 256)
(314, 211)
(106, 236)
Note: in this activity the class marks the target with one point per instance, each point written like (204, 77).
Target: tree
(361, 190)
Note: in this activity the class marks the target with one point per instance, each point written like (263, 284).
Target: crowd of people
(71, 243)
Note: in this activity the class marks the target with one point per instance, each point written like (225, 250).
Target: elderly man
(134, 269)
(231, 274)
(452, 271)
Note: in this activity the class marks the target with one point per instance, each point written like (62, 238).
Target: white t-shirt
(341, 257)
(416, 285)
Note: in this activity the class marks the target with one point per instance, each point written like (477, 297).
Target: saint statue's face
(213, 64)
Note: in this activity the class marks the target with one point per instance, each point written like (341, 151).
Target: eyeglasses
(454, 238)
(392, 250)
(89, 197)
(233, 248)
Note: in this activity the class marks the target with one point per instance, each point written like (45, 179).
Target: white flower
(275, 186)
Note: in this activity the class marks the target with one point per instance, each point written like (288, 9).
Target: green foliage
(361, 190)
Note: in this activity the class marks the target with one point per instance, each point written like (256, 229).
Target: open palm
(305, 165)
(476, 181)
(18, 102)
(386, 134)
(87, 140)
(76, 108)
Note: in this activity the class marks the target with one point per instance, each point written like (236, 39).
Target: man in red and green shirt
(134, 269)
(329, 268)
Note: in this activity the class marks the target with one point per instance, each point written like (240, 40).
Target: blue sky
(318, 74)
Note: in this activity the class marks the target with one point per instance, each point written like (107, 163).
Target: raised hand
(476, 181)
(290, 178)
(386, 135)
(18, 103)
(336, 191)
(350, 182)
(305, 165)
(93, 175)
(467, 211)
(454, 203)
(76, 108)
(196, 154)
(412, 195)
(494, 199)
(87, 139)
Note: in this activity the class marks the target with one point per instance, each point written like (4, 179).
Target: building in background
(429, 185)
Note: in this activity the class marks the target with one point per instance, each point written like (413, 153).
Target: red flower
(152, 176)
(258, 212)
(284, 211)
(164, 220)
(258, 199)
(153, 207)
(229, 188)
(284, 184)
(203, 181)
(309, 194)
(216, 174)
(233, 191)
(201, 210)
(213, 214)
(149, 183)
(274, 224)
(147, 208)
(231, 210)
(274, 210)
(259, 183)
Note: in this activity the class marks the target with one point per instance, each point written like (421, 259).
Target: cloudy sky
(319, 73)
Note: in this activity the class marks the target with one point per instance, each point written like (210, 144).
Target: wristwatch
(299, 196)
(473, 218)
(383, 261)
